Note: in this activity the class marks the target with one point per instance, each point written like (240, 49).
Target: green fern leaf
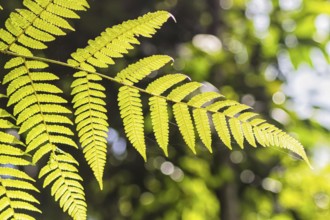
(181, 92)
(220, 124)
(130, 107)
(203, 98)
(37, 106)
(233, 110)
(186, 127)
(159, 119)
(248, 133)
(116, 41)
(202, 124)
(15, 185)
(229, 117)
(139, 70)
(216, 106)
(91, 120)
(61, 173)
(236, 131)
(163, 83)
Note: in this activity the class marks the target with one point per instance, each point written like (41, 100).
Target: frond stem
(60, 63)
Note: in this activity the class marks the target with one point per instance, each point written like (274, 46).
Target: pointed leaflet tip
(172, 16)
(100, 182)
(143, 154)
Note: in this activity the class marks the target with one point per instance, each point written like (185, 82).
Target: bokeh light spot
(236, 157)
(167, 168)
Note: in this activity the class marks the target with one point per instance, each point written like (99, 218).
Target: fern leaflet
(159, 119)
(220, 124)
(184, 121)
(130, 107)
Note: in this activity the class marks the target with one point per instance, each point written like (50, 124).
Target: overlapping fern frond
(38, 107)
(62, 173)
(88, 92)
(16, 187)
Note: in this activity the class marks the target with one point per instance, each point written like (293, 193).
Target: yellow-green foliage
(41, 115)
(15, 185)
(62, 173)
(90, 111)
(38, 106)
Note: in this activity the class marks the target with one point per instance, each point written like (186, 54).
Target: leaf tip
(173, 18)
(100, 182)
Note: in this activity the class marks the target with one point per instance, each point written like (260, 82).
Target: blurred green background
(270, 54)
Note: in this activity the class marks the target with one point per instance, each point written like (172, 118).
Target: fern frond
(184, 121)
(160, 85)
(40, 22)
(202, 124)
(15, 185)
(91, 120)
(236, 131)
(61, 173)
(203, 98)
(130, 107)
(159, 120)
(248, 133)
(37, 106)
(221, 126)
(139, 70)
(181, 92)
(117, 40)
